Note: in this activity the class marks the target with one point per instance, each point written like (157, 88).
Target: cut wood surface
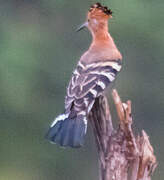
(122, 155)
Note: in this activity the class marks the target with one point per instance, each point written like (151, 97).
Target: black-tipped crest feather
(105, 9)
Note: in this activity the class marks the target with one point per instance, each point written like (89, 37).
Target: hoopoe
(96, 69)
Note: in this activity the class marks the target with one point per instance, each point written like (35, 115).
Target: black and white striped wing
(87, 83)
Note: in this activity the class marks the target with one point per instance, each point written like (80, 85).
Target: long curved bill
(82, 27)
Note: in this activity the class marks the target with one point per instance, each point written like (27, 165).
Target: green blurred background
(38, 51)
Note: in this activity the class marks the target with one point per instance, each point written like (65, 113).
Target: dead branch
(122, 156)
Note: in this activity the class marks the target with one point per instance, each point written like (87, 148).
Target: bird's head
(97, 17)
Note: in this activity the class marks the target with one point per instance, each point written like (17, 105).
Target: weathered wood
(122, 156)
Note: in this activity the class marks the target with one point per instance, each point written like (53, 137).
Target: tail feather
(67, 131)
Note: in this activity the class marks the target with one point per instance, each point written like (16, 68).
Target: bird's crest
(98, 10)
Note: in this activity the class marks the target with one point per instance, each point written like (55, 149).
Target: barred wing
(87, 83)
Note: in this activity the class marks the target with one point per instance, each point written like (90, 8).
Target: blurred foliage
(38, 51)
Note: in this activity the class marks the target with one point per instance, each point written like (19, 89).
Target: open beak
(82, 27)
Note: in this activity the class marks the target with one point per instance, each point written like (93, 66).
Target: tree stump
(122, 156)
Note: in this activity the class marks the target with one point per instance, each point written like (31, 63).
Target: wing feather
(88, 82)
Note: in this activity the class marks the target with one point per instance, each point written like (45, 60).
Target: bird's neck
(102, 38)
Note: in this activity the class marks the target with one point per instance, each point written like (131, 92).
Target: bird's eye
(88, 20)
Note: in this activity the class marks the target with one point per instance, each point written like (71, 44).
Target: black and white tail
(67, 131)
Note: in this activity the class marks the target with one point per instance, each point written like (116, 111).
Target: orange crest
(98, 11)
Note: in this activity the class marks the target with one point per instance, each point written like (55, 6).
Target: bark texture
(122, 156)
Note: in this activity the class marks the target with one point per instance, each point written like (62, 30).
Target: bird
(94, 72)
